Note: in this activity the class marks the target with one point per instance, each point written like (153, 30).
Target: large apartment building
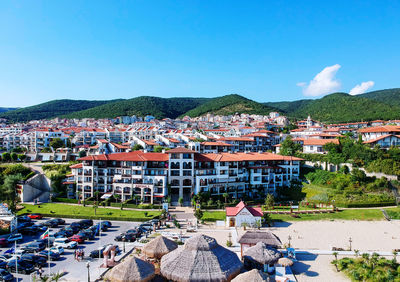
(181, 172)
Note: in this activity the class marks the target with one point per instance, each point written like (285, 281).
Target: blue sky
(264, 50)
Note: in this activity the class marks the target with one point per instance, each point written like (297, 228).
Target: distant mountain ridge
(5, 109)
(333, 108)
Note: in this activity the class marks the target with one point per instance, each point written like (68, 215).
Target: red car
(35, 216)
(77, 238)
(3, 242)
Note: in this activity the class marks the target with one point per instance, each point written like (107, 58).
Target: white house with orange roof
(372, 133)
(243, 214)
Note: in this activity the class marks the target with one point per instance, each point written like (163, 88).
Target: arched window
(175, 182)
(187, 182)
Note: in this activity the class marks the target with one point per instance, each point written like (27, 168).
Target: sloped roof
(233, 211)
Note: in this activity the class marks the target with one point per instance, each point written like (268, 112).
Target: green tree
(180, 201)
(137, 147)
(21, 157)
(82, 154)
(198, 214)
(57, 143)
(226, 196)
(269, 201)
(157, 149)
(14, 157)
(6, 157)
(289, 147)
(9, 191)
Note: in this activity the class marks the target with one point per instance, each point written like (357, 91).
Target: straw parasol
(132, 269)
(253, 275)
(200, 259)
(158, 247)
(262, 254)
(285, 262)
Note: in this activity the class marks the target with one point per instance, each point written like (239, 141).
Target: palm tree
(357, 253)
(226, 196)
(335, 262)
(56, 276)
(394, 252)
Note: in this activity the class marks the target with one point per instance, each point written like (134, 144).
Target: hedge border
(365, 204)
(95, 217)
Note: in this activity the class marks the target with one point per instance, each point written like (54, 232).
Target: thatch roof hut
(200, 259)
(158, 247)
(252, 275)
(259, 255)
(250, 238)
(131, 269)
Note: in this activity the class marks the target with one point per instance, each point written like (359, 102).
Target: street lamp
(289, 238)
(88, 271)
(123, 241)
(350, 242)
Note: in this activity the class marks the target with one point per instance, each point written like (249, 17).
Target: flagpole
(16, 258)
(99, 238)
(48, 253)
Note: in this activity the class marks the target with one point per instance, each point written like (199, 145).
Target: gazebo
(158, 247)
(200, 259)
(250, 238)
(251, 276)
(131, 269)
(261, 256)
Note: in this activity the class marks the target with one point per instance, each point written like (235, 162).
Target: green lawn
(214, 215)
(348, 214)
(74, 211)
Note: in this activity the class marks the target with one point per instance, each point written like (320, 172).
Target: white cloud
(323, 83)
(361, 88)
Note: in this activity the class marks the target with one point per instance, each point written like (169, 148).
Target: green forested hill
(142, 106)
(289, 107)
(387, 96)
(230, 104)
(4, 109)
(50, 109)
(341, 107)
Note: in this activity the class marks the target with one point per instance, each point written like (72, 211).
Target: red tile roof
(233, 211)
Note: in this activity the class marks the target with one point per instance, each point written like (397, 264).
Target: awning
(106, 196)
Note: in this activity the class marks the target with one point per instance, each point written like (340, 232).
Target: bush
(65, 200)
(95, 217)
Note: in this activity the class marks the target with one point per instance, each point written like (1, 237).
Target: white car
(57, 249)
(65, 243)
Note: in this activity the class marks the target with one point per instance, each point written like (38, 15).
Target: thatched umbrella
(253, 275)
(200, 259)
(285, 262)
(158, 247)
(260, 256)
(132, 269)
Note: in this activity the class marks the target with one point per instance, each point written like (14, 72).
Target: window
(187, 182)
(174, 172)
(175, 182)
(187, 173)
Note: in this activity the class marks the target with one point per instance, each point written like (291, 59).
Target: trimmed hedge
(96, 217)
(365, 204)
(65, 200)
(133, 206)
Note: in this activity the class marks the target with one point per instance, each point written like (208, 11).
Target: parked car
(85, 223)
(77, 238)
(50, 223)
(76, 225)
(35, 216)
(23, 218)
(3, 262)
(57, 249)
(135, 231)
(83, 235)
(40, 226)
(89, 233)
(47, 254)
(59, 221)
(5, 275)
(30, 230)
(129, 237)
(24, 267)
(34, 247)
(99, 251)
(3, 242)
(107, 223)
(34, 259)
(14, 237)
(73, 229)
(65, 243)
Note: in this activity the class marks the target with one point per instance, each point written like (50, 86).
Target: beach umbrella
(262, 253)
(285, 262)
(253, 275)
(200, 259)
(131, 269)
(158, 247)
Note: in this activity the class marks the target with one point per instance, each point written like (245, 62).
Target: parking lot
(77, 270)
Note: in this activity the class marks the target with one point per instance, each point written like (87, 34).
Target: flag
(45, 234)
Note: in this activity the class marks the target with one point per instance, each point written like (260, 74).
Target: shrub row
(65, 200)
(365, 204)
(97, 217)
